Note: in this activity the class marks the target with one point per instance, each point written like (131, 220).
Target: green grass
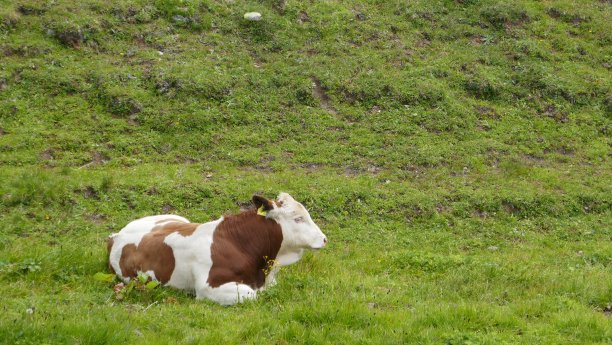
(455, 153)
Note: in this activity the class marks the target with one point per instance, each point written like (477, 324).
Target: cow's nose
(324, 240)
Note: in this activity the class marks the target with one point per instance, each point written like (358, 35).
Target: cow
(227, 260)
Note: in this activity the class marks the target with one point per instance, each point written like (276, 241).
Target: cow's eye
(299, 219)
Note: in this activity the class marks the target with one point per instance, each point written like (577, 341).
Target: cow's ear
(260, 201)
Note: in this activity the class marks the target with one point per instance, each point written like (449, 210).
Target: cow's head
(299, 231)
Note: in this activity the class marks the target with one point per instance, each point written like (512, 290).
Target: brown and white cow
(227, 260)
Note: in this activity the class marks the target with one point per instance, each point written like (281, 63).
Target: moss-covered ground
(455, 153)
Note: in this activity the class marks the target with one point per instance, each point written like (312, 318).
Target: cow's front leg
(271, 277)
(227, 294)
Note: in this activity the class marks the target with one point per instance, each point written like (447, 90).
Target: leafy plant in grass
(24, 267)
(141, 283)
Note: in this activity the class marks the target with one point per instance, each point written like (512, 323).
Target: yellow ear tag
(261, 211)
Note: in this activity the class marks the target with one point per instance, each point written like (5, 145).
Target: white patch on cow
(287, 255)
(192, 257)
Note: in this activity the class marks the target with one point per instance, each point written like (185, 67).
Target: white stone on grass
(252, 16)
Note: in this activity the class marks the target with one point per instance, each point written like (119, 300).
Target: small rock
(167, 208)
(373, 169)
(30, 310)
(47, 154)
(252, 16)
(90, 193)
(360, 16)
(160, 52)
(493, 248)
(72, 37)
(131, 52)
(372, 305)
(97, 218)
(180, 19)
(303, 17)
(607, 310)
(375, 110)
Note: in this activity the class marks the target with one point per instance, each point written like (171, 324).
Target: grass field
(455, 153)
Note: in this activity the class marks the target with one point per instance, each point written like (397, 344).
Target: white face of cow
(299, 231)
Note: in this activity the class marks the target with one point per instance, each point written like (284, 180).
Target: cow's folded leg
(202, 289)
(228, 293)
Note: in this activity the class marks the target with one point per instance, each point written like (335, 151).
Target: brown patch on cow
(152, 254)
(129, 261)
(243, 248)
(185, 229)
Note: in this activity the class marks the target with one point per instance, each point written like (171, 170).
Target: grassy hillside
(455, 153)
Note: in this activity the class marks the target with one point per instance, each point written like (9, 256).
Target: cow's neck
(266, 238)
(244, 249)
(287, 256)
(256, 236)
